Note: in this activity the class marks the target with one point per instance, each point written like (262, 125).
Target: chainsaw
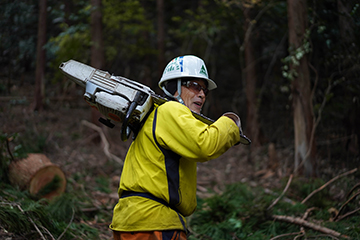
(117, 98)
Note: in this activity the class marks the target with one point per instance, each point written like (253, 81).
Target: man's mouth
(198, 103)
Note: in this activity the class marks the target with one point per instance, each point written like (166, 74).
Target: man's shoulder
(173, 108)
(172, 105)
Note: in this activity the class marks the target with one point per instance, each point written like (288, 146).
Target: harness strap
(125, 194)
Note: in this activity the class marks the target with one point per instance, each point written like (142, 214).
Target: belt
(126, 194)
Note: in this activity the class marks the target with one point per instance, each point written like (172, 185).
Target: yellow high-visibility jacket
(162, 161)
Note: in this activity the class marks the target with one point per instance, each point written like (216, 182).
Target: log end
(48, 182)
(39, 175)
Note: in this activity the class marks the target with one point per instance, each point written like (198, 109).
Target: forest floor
(61, 132)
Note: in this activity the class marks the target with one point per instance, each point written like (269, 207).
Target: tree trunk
(346, 23)
(97, 49)
(68, 6)
(252, 123)
(302, 102)
(160, 37)
(37, 174)
(40, 58)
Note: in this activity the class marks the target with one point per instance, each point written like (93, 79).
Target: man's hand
(236, 119)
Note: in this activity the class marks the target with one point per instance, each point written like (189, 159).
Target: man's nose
(202, 93)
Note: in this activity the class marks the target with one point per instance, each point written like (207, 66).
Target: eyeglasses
(196, 87)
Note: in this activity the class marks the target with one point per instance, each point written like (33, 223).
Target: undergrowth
(241, 212)
(25, 216)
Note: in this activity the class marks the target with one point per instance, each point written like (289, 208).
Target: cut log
(39, 175)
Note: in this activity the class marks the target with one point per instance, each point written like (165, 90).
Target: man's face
(193, 94)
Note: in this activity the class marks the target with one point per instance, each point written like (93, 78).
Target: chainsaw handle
(125, 129)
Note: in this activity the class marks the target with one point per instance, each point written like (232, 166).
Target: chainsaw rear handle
(125, 128)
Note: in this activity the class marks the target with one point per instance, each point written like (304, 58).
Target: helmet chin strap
(178, 97)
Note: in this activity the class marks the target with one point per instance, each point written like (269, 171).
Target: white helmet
(186, 66)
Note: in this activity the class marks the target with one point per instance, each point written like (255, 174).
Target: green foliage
(235, 213)
(63, 207)
(292, 61)
(30, 142)
(199, 29)
(124, 26)
(72, 38)
(19, 146)
(19, 214)
(103, 183)
(12, 219)
(72, 43)
(124, 23)
(18, 21)
(128, 32)
(302, 189)
(6, 142)
(241, 213)
(128, 16)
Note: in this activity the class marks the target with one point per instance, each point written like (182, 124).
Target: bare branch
(72, 218)
(353, 189)
(347, 214)
(33, 223)
(48, 232)
(336, 218)
(308, 212)
(328, 183)
(282, 194)
(308, 224)
(104, 140)
(285, 235)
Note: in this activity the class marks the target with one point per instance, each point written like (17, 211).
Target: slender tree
(252, 123)
(40, 58)
(305, 148)
(97, 49)
(68, 5)
(346, 23)
(97, 46)
(160, 36)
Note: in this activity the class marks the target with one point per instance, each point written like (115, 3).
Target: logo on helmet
(203, 71)
(175, 65)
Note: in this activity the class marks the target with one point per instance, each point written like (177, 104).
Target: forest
(290, 69)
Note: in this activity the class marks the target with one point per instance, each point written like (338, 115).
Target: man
(158, 182)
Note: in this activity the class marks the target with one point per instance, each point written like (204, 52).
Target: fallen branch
(325, 236)
(328, 183)
(104, 140)
(282, 194)
(48, 232)
(33, 223)
(342, 207)
(302, 222)
(306, 214)
(67, 227)
(347, 214)
(352, 190)
(286, 235)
